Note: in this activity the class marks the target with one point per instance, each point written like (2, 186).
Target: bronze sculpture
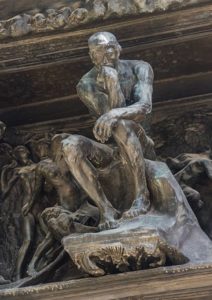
(24, 176)
(193, 171)
(118, 93)
(110, 196)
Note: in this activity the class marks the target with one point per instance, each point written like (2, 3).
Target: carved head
(6, 149)
(20, 25)
(104, 49)
(21, 154)
(41, 148)
(39, 20)
(2, 129)
(78, 16)
(6, 154)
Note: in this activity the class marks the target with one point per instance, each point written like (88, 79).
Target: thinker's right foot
(109, 220)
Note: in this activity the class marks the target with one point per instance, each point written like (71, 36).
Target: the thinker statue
(113, 183)
(148, 220)
(119, 94)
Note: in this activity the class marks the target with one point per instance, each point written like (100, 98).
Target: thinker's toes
(107, 225)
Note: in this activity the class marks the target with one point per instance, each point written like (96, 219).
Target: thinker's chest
(127, 81)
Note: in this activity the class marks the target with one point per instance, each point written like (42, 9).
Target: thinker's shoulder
(142, 65)
(143, 71)
(136, 63)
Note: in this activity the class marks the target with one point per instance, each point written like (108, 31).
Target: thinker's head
(104, 49)
(2, 129)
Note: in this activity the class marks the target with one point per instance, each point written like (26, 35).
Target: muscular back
(68, 194)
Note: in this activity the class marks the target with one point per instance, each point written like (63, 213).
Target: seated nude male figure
(119, 94)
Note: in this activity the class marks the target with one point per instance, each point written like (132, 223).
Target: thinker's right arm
(93, 96)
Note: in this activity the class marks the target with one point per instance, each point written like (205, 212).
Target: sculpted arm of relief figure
(32, 195)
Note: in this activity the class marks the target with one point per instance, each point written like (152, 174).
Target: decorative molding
(65, 17)
(139, 33)
(178, 282)
(111, 253)
(178, 107)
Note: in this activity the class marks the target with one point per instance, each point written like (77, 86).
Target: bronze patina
(105, 201)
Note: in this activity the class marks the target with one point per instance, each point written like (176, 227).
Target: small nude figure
(24, 176)
(118, 93)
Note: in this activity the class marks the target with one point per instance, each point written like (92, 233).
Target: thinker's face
(104, 55)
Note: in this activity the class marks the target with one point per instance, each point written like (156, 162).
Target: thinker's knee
(123, 129)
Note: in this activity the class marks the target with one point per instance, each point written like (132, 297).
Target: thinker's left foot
(109, 219)
(139, 207)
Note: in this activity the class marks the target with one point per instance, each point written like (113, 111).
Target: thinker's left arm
(142, 96)
(143, 90)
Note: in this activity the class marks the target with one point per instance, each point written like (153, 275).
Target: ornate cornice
(67, 18)
(178, 282)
